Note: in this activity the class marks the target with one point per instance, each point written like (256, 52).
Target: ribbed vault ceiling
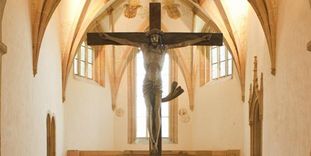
(227, 16)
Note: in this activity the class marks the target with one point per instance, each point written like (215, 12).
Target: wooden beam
(168, 38)
(155, 16)
(97, 39)
(173, 38)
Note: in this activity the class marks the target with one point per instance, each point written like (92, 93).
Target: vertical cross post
(155, 16)
(155, 23)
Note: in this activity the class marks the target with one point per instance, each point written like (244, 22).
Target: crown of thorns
(154, 31)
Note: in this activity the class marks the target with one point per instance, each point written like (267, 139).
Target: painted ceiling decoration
(131, 8)
(85, 15)
(172, 9)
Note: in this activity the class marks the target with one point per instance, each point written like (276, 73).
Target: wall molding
(3, 50)
(143, 153)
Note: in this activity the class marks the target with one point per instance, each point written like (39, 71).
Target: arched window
(221, 62)
(89, 63)
(215, 62)
(84, 61)
(141, 113)
(137, 109)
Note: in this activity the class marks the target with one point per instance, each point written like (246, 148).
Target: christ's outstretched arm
(189, 42)
(120, 40)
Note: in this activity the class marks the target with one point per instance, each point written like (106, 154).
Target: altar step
(146, 153)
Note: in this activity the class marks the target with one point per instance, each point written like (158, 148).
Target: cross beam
(95, 39)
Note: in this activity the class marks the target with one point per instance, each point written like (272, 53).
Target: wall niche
(50, 135)
(256, 113)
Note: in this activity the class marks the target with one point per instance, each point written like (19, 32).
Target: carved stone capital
(309, 46)
(3, 48)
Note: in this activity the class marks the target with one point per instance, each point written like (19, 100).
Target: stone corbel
(3, 48)
(309, 46)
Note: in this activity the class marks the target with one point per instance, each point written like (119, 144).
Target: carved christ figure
(153, 54)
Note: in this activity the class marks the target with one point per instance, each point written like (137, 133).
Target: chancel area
(155, 77)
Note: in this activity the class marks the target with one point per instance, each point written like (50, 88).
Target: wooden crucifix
(154, 44)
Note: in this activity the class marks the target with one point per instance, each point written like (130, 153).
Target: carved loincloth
(152, 94)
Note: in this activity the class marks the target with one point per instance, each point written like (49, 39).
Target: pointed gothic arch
(41, 13)
(131, 91)
(267, 14)
(92, 11)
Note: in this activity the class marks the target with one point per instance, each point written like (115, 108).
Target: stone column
(3, 50)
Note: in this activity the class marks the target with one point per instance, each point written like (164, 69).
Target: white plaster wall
(287, 100)
(88, 116)
(217, 121)
(26, 100)
(121, 123)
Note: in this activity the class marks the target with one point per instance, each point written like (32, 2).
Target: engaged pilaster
(3, 50)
